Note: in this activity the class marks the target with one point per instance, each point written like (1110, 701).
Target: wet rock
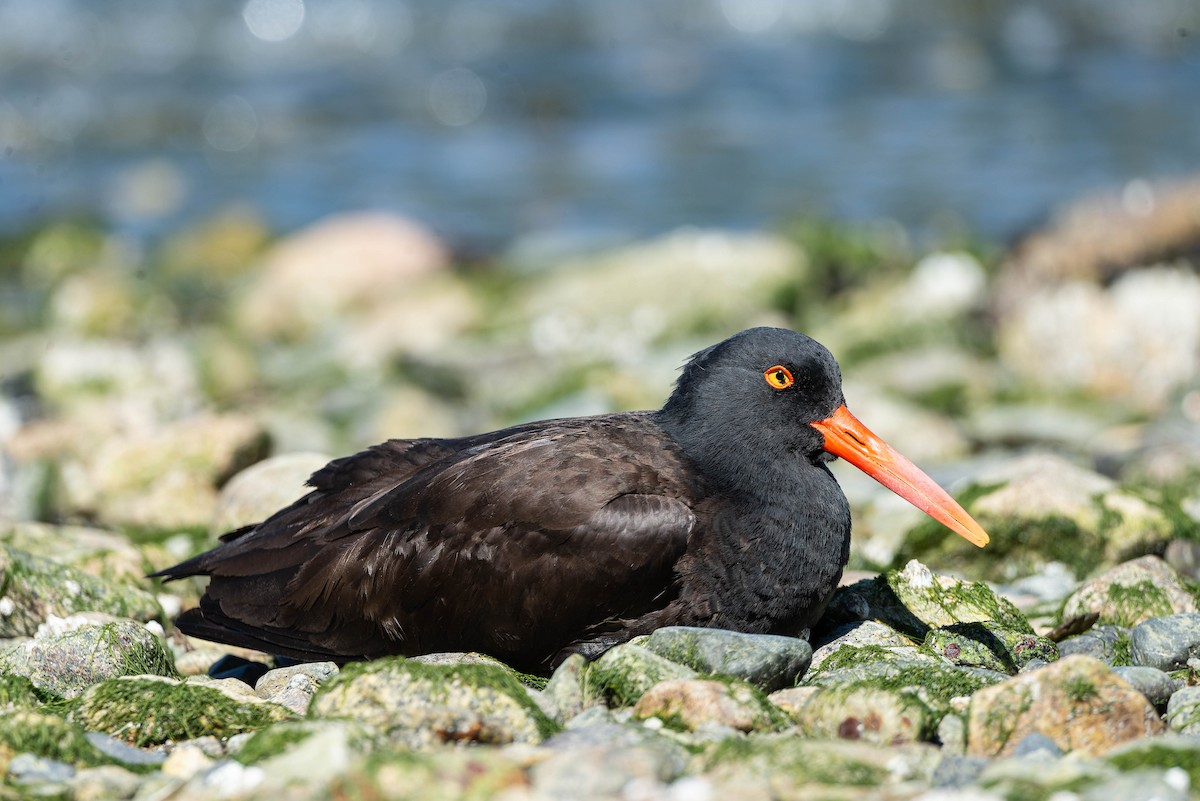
(79, 652)
(1109, 644)
(1131, 593)
(374, 255)
(1077, 702)
(422, 705)
(689, 704)
(766, 661)
(914, 600)
(34, 589)
(864, 633)
(167, 479)
(1157, 686)
(622, 674)
(257, 492)
(873, 714)
(989, 646)
(146, 711)
(1166, 643)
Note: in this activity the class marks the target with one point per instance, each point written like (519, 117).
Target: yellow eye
(779, 377)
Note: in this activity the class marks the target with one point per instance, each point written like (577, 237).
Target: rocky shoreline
(150, 400)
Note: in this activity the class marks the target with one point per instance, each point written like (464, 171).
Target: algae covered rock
(566, 694)
(1077, 702)
(166, 479)
(145, 710)
(91, 550)
(66, 663)
(767, 661)
(861, 634)
(1040, 509)
(987, 645)
(783, 765)
(35, 588)
(422, 705)
(623, 673)
(872, 714)
(914, 600)
(1131, 593)
(18, 692)
(689, 704)
(49, 737)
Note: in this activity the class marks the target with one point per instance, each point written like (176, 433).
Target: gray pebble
(1166, 642)
(123, 752)
(958, 771)
(1156, 685)
(30, 769)
(1036, 743)
(771, 662)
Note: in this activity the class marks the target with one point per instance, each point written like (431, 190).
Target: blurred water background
(589, 122)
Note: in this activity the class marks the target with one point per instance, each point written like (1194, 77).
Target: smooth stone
(958, 771)
(30, 769)
(770, 662)
(1036, 743)
(1183, 711)
(122, 751)
(1100, 642)
(1166, 643)
(1157, 686)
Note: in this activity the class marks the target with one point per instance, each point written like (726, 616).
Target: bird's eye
(779, 377)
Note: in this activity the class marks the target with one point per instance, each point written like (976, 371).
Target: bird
(571, 535)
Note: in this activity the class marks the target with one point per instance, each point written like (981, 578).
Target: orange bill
(847, 438)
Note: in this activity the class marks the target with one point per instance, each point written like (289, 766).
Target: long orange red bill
(849, 439)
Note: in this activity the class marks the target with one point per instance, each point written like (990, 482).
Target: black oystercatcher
(575, 534)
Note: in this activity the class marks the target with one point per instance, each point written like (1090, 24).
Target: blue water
(591, 121)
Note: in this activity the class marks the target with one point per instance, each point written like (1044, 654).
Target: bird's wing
(512, 544)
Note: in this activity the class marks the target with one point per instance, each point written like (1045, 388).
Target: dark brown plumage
(564, 535)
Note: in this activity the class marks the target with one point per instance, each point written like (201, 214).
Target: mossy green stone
(19, 692)
(403, 695)
(145, 711)
(1167, 751)
(50, 737)
(627, 671)
(792, 760)
(39, 587)
(989, 646)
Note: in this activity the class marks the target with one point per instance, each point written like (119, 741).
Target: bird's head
(777, 395)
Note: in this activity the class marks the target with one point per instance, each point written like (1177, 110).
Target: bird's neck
(736, 459)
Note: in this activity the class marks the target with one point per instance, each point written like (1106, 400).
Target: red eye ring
(779, 377)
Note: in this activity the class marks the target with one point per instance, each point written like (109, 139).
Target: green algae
(19, 692)
(52, 737)
(151, 712)
(1128, 604)
(439, 679)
